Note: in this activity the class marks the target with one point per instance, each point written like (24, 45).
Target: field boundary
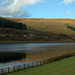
(8, 70)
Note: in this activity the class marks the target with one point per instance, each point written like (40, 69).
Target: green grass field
(62, 67)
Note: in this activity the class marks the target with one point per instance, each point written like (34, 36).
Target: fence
(32, 64)
(20, 67)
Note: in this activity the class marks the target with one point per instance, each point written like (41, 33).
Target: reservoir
(35, 51)
(30, 47)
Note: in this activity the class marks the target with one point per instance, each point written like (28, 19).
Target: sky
(37, 8)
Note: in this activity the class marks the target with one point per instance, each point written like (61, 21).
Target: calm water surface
(23, 47)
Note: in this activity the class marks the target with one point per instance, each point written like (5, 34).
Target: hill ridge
(55, 25)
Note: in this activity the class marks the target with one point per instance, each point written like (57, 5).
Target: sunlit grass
(62, 67)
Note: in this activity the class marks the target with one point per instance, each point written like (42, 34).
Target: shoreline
(9, 42)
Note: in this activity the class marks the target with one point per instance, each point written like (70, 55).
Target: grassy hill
(38, 29)
(57, 26)
(62, 67)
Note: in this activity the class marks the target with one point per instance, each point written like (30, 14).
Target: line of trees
(70, 27)
(4, 23)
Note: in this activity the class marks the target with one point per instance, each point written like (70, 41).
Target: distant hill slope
(58, 26)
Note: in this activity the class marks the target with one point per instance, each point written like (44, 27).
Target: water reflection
(23, 47)
(11, 56)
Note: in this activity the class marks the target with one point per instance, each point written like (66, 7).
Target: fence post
(36, 63)
(14, 68)
(2, 72)
(8, 69)
(19, 67)
(32, 64)
(43, 62)
(24, 66)
(28, 65)
(46, 61)
(40, 63)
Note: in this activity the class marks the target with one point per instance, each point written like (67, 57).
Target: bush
(70, 27)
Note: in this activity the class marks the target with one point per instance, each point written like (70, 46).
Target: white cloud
(68, 1)
(69, 13)
(6, 3)
(13, 8)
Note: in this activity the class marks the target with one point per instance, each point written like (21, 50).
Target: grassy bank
(62, 67)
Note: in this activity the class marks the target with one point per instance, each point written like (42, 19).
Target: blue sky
(38, 8)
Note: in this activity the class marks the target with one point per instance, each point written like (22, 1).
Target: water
(23, 47)
(11, 64)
